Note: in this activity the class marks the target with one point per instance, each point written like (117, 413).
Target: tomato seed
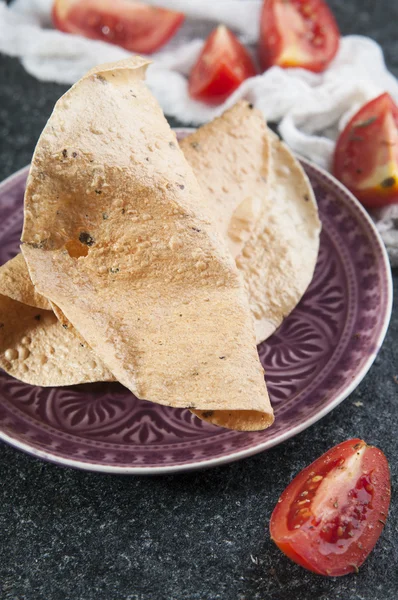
(317, 478)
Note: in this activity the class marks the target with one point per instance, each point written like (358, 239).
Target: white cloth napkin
(311, 108)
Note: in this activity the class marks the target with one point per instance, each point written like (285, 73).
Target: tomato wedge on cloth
(223, 65)
(132, 25)
(366, 154)
(331, 515)
(297, 33)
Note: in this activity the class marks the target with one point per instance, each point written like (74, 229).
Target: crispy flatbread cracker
(279, 258)
(35, 346)
(15, 283)
(263, 204)
(231, 158)
(36, 349)
(114, 237)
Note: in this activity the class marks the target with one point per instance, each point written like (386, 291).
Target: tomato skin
(131, 25)
(222, 66)
(297, 33)
(366, 153)
(331, 515)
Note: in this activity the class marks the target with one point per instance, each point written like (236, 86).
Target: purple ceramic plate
(313, 362)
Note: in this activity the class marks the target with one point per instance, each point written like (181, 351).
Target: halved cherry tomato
(331, 515)
(366, 154)
(222, 66)
(297, 33)
(132, 25)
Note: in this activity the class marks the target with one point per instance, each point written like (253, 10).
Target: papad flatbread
(231, 158)
(15, 283)
(263, 204)
(36, 349)
(279, 259)
(114, 236)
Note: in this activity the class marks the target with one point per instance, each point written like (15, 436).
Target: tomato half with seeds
(297, 33)
(366, 154)
(331, 515)
(222, 66)
(132, 25)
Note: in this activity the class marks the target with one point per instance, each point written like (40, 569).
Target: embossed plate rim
(257, 447)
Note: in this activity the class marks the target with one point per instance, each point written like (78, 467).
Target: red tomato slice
(132, 25)
(366, 154)
(222, 66)
(331, 515)
(297, 33)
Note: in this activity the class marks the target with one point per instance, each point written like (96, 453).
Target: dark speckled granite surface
(69, 535)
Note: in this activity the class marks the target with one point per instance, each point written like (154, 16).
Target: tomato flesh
(132, 25)
(222, 66)
(297, 33)
(331, 515)
(366, 154)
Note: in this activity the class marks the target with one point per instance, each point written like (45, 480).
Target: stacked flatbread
(151, 264)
